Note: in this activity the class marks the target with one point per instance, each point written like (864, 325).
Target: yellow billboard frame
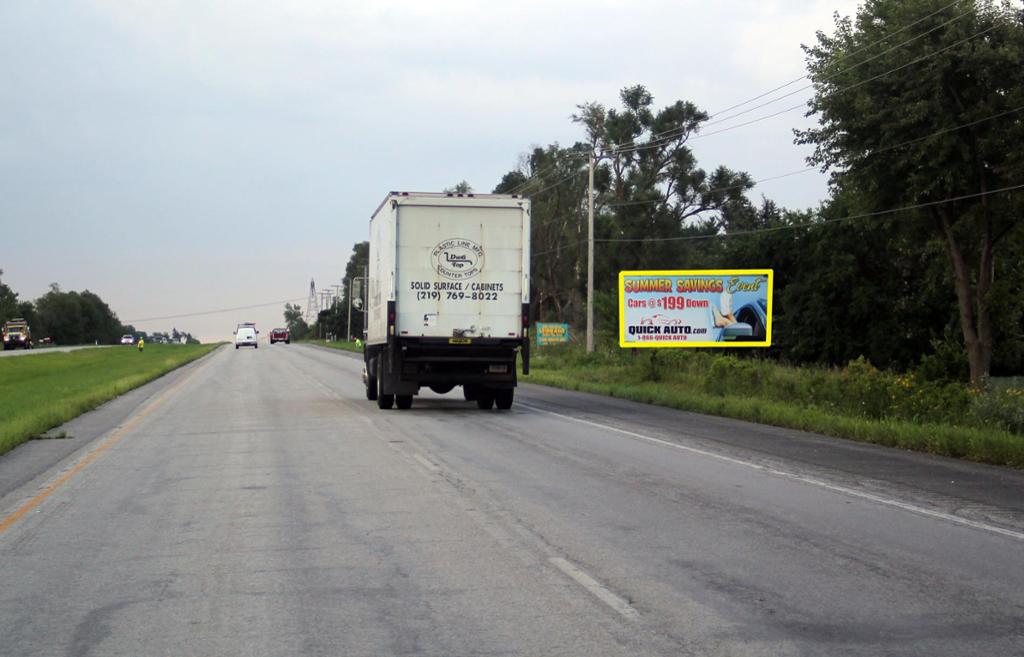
(729, 344)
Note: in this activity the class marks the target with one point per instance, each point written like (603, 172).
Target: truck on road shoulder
(16, 334)
(449, 297)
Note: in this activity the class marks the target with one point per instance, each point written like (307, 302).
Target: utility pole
(590, 256)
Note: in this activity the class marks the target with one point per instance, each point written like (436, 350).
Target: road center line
(107, 443)
(600, 591)
(912, 508)
(426, 463)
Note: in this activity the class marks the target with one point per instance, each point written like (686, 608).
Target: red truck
(280, 335)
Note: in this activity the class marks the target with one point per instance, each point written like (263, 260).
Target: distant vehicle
(245, 336)
(127, 339)
(280, 335)
(449, 296)
(16, 334)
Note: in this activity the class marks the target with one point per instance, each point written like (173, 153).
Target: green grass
(858, 402)
(1007, 382)
(43, 391)
(341, 345)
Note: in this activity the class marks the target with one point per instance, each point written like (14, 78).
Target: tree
(462, 187)
(76, 318)
(297, 326)
(355, 288)
(929, 123)
(651, 191)
(9, 307)
(550, 176)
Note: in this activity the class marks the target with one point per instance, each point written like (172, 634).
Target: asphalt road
(254, 503)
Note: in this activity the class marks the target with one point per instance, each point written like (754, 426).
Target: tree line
(915, 261)
(69, 318)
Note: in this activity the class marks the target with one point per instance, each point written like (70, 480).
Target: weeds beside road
(858, 402)
(45, 390)
(341, 345)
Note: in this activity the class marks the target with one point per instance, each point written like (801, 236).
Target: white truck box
(447, 270)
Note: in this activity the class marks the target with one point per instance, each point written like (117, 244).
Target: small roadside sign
(551, 334)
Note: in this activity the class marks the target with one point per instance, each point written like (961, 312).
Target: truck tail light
(391, 317)
(526, 338)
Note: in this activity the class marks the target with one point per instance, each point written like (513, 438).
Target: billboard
(552, 334)
(695, 308)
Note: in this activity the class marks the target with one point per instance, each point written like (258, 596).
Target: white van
(246, 336)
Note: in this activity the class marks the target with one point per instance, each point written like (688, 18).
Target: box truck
(449, 297)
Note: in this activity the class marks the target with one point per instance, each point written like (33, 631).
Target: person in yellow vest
(142, 344)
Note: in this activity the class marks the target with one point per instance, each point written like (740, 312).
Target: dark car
(280, 335)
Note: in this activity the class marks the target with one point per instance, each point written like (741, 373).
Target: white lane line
(600, 591)
(912, 508)
(426, 463)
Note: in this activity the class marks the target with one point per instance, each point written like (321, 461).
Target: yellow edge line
(107, 443)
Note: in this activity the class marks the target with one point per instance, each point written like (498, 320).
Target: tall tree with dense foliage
(355, 288)
(551, 176)
(650, 194)
(930, 116)
(297, 326)
(654, 191)
(76, 317)
(9, 306)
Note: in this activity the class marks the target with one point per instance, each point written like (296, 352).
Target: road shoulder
(36, 461)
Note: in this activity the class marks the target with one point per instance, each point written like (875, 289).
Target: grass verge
(856, 403)
(43, 391)
(340, 346)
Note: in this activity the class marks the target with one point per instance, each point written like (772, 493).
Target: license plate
(460, 340)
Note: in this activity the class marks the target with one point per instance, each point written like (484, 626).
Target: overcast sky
(180, 157)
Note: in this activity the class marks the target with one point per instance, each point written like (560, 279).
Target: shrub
(1003, 409)
(869, 392)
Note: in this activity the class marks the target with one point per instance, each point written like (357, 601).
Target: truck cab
(16, 334)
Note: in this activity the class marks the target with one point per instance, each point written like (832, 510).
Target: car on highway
(280, 335)
(245, 336)
(127, 339)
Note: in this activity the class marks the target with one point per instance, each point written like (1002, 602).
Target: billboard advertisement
(551, 334)
(695, 308)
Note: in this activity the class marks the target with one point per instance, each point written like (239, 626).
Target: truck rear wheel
(503, 398)
(484, 399)
(383, 401)
(371, 387)
(469, 392)
(403, 402)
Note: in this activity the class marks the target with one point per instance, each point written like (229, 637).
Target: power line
(842, 58)
(659, 139)
(822, 222)
(805, 170)
(556, 184)
(848, 69)
(536, 175)
(713, 190)
(668, 134)
(213, 312)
